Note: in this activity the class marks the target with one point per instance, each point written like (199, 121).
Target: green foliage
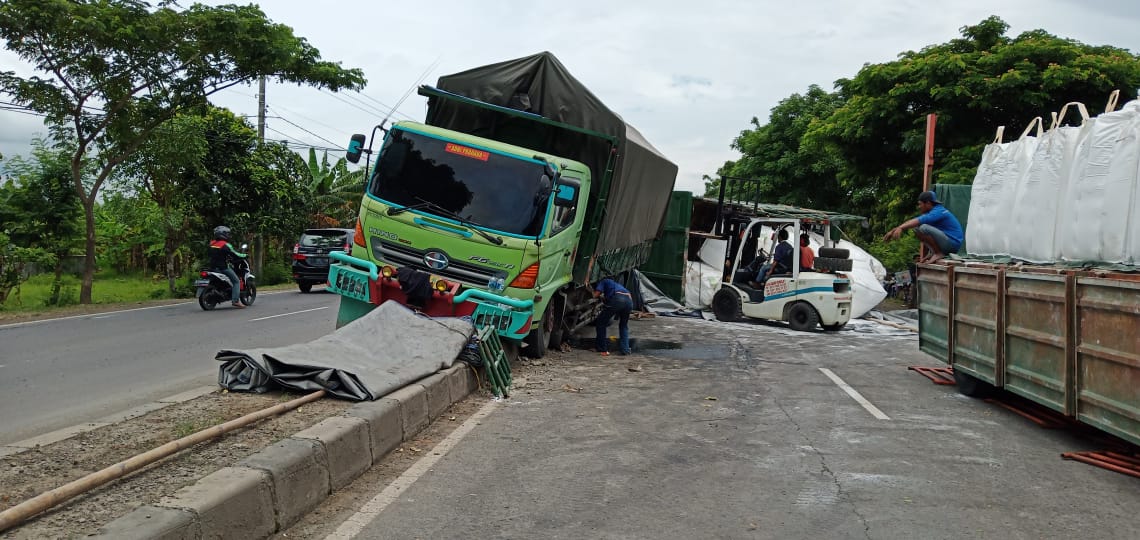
(115, 71)
(335, 191)
(110, 287)
(40, 207)
(896, 255)
(276, 271)
(786, 170)
(14, 260)
(130, 233)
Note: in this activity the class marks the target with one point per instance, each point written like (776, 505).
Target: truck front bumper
(360, 280)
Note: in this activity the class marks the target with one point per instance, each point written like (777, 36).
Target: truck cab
(803, 297)
(464, 213)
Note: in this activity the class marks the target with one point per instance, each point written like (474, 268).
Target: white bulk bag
(994, 189)
(1096, 211)
(1041, 198)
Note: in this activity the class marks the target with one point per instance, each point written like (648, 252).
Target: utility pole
(258, 240)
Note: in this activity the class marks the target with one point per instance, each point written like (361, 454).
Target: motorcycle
(214, 288)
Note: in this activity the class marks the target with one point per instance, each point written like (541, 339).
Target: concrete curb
(274, 488)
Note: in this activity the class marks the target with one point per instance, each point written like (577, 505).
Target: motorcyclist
(221, 252)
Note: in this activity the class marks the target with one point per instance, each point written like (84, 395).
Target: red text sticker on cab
(467, 152)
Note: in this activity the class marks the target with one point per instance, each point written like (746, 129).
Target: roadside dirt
(25, 475)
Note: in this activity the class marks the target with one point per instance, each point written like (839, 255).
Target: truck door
(560, 245)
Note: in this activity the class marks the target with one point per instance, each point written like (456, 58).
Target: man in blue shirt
(618, 303)
(781, 262)
(936, 228)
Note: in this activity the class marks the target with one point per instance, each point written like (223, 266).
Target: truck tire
(968, 385)
(554, 323)
(832, 265)
(726, 305)
(535, 343)
(802, 317)
(834, 253)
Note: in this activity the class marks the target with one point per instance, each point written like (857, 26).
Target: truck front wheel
(802, 317)
(535, 342)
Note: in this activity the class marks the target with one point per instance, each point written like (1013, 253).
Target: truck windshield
(493, 191)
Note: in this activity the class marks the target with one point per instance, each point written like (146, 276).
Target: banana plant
(335, 190)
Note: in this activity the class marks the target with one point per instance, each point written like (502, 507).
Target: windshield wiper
(497, 240)
(392, 211)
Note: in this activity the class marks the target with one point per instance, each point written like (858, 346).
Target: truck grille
(465, 273)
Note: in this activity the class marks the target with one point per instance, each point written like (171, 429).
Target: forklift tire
(802, 317)
(726, 305)
(834, 253)
(971, 386)
(832, 265)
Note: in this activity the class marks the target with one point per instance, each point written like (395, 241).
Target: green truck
(519, 190)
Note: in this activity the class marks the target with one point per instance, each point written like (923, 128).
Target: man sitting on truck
(936, 228)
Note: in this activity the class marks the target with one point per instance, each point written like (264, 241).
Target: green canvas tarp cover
(956, 199)
(540, 84)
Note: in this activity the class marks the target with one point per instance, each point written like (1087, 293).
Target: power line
(286, 120)
(374, 100)
(289, 141)
(372, 112)
(267, 106)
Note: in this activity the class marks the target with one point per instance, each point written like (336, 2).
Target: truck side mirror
(566, 192)
(355, 148)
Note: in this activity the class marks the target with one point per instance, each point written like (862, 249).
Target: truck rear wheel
(726, 305)
(969, 385)
(802, 317)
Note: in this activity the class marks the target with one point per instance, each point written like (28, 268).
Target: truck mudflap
(361, 282)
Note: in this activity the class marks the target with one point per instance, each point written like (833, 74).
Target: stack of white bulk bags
(1069, 194)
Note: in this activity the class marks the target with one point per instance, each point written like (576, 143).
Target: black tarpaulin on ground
(540, 84)
(364, 360)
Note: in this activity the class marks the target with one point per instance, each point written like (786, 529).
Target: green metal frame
(495, 363)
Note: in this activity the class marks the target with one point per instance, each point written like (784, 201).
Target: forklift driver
(781, 262)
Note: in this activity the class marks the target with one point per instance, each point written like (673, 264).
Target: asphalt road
(740, 433)
(59, 373)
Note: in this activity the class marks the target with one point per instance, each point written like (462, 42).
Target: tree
(41, 209)
(336, 191)
(975, 83)
(161, 169)
(785, 170)
(116, 70)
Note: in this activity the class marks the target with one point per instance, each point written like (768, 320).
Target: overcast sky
(690, 75)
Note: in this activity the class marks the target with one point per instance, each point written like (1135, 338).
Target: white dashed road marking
(855, 395)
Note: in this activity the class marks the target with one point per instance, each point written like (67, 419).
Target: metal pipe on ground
(44, 501)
